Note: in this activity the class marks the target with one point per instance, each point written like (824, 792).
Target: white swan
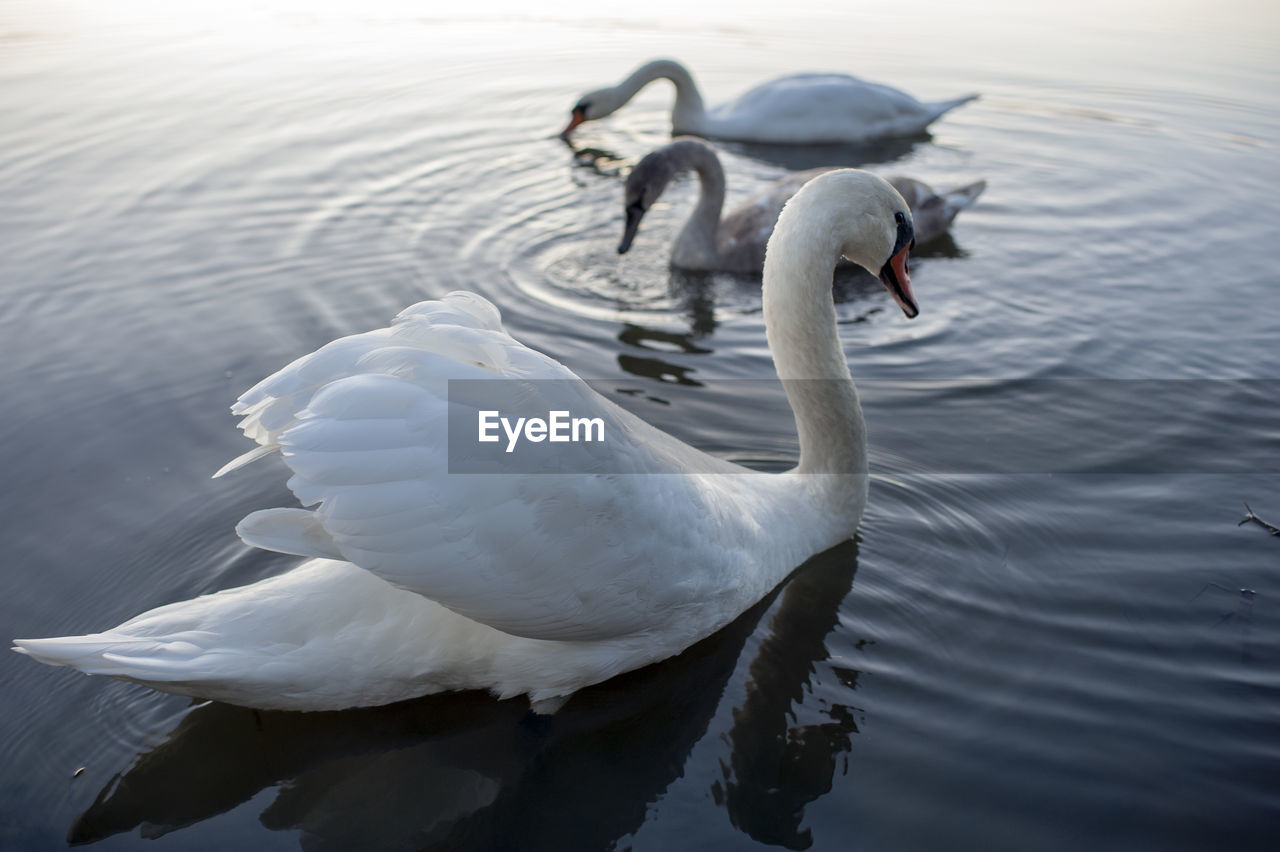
(736, 241)
(537, 584)
(802, 109)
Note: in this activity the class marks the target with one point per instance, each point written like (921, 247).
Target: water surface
(1040, 639)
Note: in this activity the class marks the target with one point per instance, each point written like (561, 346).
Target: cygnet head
(645, 184)
(865, 219)
(591, 106)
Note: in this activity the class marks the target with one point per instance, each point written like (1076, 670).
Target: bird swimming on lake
(419, 580)
(801, 109)
(735, 241)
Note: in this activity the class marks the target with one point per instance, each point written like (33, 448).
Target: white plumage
(801, 109)
(423, 581)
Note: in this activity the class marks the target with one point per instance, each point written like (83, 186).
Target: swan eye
(583, 106)
(906, 235)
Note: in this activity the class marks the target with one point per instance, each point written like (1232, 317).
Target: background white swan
(424, 581)
(796, 110)
(736, 241)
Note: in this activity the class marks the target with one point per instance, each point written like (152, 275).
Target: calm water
(1040, 640)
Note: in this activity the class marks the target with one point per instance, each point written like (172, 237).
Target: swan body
(736, 241)
(802, 109)
(932, 210)
(420, 580)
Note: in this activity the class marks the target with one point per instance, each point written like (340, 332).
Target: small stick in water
(1271, 528)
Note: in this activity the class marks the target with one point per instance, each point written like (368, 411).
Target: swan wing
(560, 552)
(798, 94)
(823, 108)
(744, 231)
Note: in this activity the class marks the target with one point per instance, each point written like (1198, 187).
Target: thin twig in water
(1247, 593)
(1271, 528)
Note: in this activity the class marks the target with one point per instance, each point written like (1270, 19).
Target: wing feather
(295, 531)
(363, 424)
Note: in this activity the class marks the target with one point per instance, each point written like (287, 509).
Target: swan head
(591, 106)
(645, 185)
(868, 221)
(855, 215)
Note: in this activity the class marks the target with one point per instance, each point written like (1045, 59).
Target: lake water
(1040, 640)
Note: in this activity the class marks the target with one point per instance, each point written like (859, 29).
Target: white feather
(801, 109)
(534, 584)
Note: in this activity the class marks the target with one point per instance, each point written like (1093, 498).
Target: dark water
(1040, 640)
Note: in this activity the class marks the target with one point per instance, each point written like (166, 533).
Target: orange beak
(578, 118)
(897, 279)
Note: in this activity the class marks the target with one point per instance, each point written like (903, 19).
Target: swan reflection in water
(466, 771)
(799, 158)
(794, 158)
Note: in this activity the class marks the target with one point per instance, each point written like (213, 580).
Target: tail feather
(961, 197)
(141, 658)
(938, 108)
(325, 636)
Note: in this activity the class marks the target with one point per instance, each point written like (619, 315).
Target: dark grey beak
(634, 214)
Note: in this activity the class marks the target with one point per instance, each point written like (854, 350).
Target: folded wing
(364, 425)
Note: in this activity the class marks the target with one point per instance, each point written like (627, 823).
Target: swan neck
(695, 248)
(687, 114)
(800, 324)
